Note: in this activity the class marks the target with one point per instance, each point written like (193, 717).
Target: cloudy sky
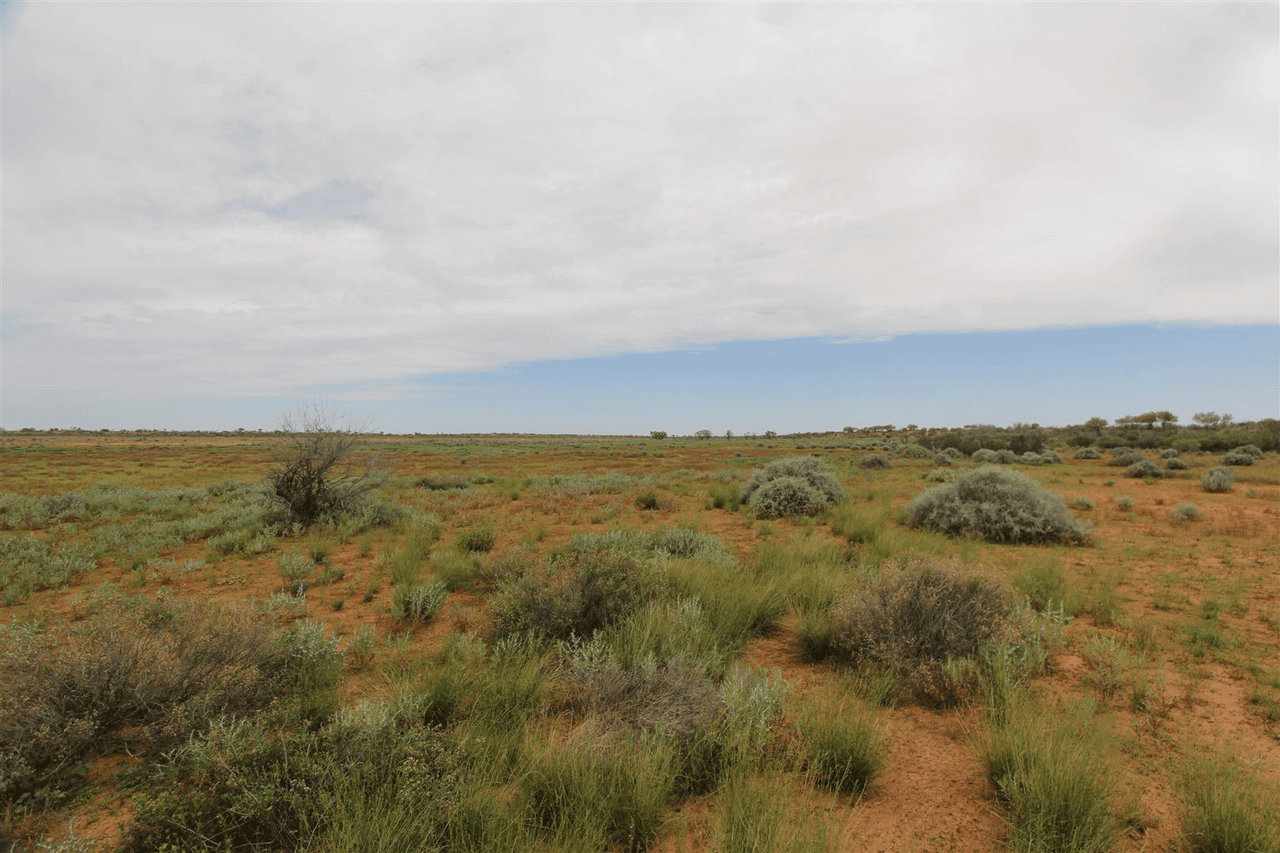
(623, 217)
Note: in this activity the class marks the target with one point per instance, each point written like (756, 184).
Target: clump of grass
(1045, 583)
(1047, 769)
(419, 602)
(1229, 808)
(844, 745)
(1218, 480)
(1082, 502)
(997, 505)
(478, 540)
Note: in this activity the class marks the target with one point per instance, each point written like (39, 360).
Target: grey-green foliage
(418, 601)
(942, 460)
(1050, 457)
(939, 475)
(985, 455)
(874, 461)
(1170, 453)
(1173, 463)
(913, 451)
(1087, 453)
(29, 564)
(805, 484)
(1251, 449)
(1238, 457)
(671, 542)
(1218, 480)
(1007, 457)
(997, 505)
(1123, 457)
(1144, 468)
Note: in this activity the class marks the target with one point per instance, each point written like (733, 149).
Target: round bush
(999, 506)
(1087, 453)
(913, 451)
(1173, 463)
(1251, 449)
(786, 497)
(1237, 457)
(1218, 480)
(952, 452)
(874, 460)
(939, 475)
(1007, 457)
(942, 460)
(815, 471)
(1170, 453)
(1144, 468)
(985, 455)
(1124, 460)
(1050, 457)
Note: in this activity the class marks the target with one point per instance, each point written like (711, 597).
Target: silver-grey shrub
(999, 506)
(1218, 480)
(1238, 457)
(873, 461)
(1173, 463)
(985, 455)
(816, 475)
(1087, 453)
(1144, 468)
(1007, 457)
(1170, 453)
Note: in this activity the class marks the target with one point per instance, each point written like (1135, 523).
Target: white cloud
(258, 198)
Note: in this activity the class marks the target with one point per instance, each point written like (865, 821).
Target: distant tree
(702, 433)
(1095, 425)
(728, 433)
(1166, 419)
(912, 427)
(658, 434)
(1147, 419)
(849, 430)
(770, 434)
(1208, 420)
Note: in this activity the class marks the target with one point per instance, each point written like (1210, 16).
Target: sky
(615, 218)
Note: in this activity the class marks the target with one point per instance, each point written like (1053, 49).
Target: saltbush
(807, 485)
(1173, 463)
(997, 505)
(873, 461)
(1218, 480)
(1144, 468)
(942, 460)
(1087, 453)
(1124, 459)
(1238, 457)
(985, 455)
(1170, 453)
(1007, 457)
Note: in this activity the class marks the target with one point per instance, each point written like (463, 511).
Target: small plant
(1238, 458)
(362, 646)
(1109, 660)
(1175, 464)
(1218, 480)
(478, 540)
(939, 475)
(1144, 469)
(874, 461)
(647, 500)
(798, 486)
(1124, 502)
(1082, 502)
(845, 747)
(1187, 512)
(420, 602)
(998, 505)
(1229, 807)
(985, 455)
(1087, 453)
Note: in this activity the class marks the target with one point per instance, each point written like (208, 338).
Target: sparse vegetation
(1218, 480)
(799, 486)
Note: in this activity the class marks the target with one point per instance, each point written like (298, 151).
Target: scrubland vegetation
(972, 639)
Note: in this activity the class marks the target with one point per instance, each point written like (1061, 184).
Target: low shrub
(1007, 457)
(1174, 463)
(997, 505)
(1126, 459)
(939, 475)
(1082, 502)
(985, 455)
(787, 497)
(1050, 457)
(577, 594)
(952, 453)
(1187, 512)
(874, 461)
(1251, 449)
(1087, 453)
(1238, 458)
(1170, 453)
(942, 460)
(1218, 480)
(916, 617)
(913, 451)
(816, 473)
(1144, 468)
(1124, 502)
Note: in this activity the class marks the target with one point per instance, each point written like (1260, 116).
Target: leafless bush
(316, 476)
